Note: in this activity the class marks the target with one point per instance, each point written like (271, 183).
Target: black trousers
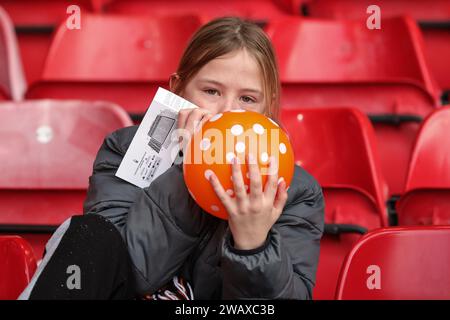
(91, 261)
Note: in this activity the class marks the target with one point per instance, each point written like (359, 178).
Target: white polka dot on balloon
(230, 156)
(238, 110)
(240, 147)
(214, 208)
(259, 129)
(208, 173)
(264, 157)
(237, 130)
(282, 148)
(205, 144)
(216, 117)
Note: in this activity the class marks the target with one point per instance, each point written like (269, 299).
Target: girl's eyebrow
(255, 91)
(212, 82)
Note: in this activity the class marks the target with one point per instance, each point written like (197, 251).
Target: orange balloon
(227, 135)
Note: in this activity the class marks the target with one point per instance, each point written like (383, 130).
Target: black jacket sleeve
(157, 223)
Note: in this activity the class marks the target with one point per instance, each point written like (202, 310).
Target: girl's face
(232, 81)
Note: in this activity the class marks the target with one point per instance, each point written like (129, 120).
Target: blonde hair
(225, 35)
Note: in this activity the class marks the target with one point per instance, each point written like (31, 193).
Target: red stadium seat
(43, 13)
(438, 10)
(382, 73)
(12, 81)
(256, 10)
(35, 22)
(17, 266)
(437, 45)
(114, 58)
(47, 150)
(427, 197)
(433, 18)
(398, 264)
(337, 146)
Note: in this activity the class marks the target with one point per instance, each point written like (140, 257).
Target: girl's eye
(211, 91)
(247, 99)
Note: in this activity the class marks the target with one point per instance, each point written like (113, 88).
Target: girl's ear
(174, 81)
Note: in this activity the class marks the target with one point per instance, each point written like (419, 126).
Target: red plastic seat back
(336, 145)
(430, 163)
(35, 21)
(47, 150)
(333, 250)
(398, 263)
(349, 55)
(343, 63)
(119, 48)
(50, 144)
(437, 45)
(426, 200)
(12, 81)
(114, 58)
(17, 266)
(135, 97)
(357, 9)
(437, 39)
(258, 10)
(38, 13)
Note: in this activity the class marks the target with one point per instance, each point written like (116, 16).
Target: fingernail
(281, 179)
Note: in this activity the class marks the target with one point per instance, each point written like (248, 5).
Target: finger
(272, 179)
(281, 197)
(238, 181)
(255, 178)
(194, 119)
(205, 119)
(221, 194)
(182, 117)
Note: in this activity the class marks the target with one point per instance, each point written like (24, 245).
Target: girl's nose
(230, 107)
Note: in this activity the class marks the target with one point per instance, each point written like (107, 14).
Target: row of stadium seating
(48, 148)
(124, 59)
(51, 12)
(388, 263)
(35, 27)
(354, 188)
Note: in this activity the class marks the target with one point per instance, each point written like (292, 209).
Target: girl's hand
(190, 120)
(251, 216)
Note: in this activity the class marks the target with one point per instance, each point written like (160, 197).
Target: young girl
(269, 247)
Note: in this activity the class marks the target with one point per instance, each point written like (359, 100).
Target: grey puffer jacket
(168, 234)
